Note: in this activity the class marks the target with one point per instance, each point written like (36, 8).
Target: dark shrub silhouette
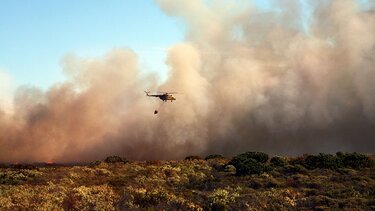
(278, 161)
(355, 160)
(323, 161)
(294, 169)
(348, 160)
(249, 163)
(115, 159)
(257, 156)
(23, 166)
(297, 160)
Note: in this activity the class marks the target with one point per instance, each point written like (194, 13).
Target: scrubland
(249, 181)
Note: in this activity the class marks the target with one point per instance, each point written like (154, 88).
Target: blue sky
(36, 35)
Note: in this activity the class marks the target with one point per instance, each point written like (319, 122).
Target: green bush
(213, 156)
(355, 160)
(115, 159)
(297, 161)
(249, 163)
(341, 160)
(278, 161)
(258, 156)
(323, 161)
(294, 169)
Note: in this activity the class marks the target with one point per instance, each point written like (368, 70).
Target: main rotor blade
(167, 92)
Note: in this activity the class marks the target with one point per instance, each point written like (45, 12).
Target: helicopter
(165, 96)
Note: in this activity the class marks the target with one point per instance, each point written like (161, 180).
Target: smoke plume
(250, 80)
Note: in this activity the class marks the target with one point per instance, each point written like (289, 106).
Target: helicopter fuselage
(166, 97)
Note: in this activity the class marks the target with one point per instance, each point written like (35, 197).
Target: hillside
(342, 181)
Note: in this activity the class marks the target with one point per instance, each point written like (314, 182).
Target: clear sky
(36, 35)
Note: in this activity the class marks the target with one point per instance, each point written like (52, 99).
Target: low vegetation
(115, 159)
(248, 181)
(250, 163)
(213, 156)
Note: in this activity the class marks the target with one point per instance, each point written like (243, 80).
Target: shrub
(12, 178)
(320, 202)
(95, 163)
(294, 169)
(103, 172)
(267, 168)
(23, 166)
(115, 159)
(152, 198)
(15, 177)
(273, 183)
(347, 160)
(355, 160)
(278, 161)
(4, 165)
(257, 156)
(218, 164)
(323, 161)
(213, 156)
(245, 163)
(193, 157)
(255, 184)
(220, 199)
(100, 197)
(230, 169)
(297, 160)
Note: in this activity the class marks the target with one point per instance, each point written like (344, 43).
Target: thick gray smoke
(250, 80)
